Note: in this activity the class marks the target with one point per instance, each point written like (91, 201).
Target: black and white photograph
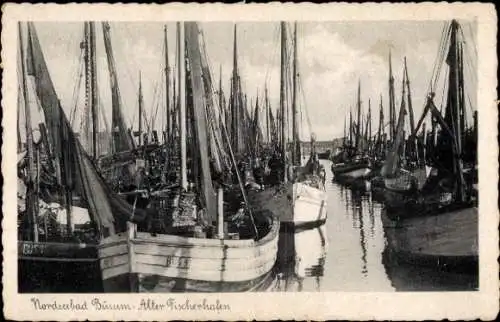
(276, 156)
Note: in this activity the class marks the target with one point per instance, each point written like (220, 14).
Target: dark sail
(121, 140)
(208, 197)
(108, 211)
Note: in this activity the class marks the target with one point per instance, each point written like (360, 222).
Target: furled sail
(208, 197)
(121, 139)
(392, 162)
(108, 211)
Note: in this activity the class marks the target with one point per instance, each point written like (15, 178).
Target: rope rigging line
(473, 39)
(154, 103)
(127, 71)
(445, 89)
(76, 91)
(274, 55)
(225, 135)
(437, 58)
(305, 107)
(441, 56)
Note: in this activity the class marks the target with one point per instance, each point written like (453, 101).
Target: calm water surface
(347, 253)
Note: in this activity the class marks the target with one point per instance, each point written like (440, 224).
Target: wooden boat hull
(400, 206)
(140, 262)
(349, 172)
(309, 205)
(58, 268)
(296, 205)
(446, 241)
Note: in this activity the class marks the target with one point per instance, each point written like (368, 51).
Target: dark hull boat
(350, 172)
(57, 241)
(436, 225)
(325, 155)
(37, 261)
(446, 240)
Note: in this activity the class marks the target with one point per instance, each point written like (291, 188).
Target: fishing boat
(236, 255)
(298, 192)
(356, 164)
(445, 241)
(438, 227)
(57, 243)
(404, 170)
(450, 181)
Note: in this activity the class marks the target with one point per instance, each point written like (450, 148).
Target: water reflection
(301, 259)
(344, 254)
(357, 211)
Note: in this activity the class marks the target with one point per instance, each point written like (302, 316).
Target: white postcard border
(317, 306)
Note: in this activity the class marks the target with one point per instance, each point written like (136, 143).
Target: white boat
(310, 252)
(358, 173)
(309, 204)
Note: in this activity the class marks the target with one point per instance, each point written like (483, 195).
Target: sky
(332, 58)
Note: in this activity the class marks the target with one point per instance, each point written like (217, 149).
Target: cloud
(333, 57)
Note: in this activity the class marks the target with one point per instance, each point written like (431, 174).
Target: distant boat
(355, 164)
(325, 155)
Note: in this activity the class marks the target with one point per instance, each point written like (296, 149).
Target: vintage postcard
(263, 161)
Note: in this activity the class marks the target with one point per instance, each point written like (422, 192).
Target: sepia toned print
(200, 163)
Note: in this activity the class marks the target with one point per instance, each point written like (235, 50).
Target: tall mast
(380, 134)
(413, 140)
(461, 93)
(168, 127)
(358, 125)
(283, 98)
(295, 152)
(140, 109)
(221, 105)
(31, 201)
(453, 110)
(344, 138)
(369, 125)
(182, 102)
(94, 103)
(175, 107)
(19, 143)
(410, 108)
(392, 104)
(236, 99)
(86, 119)
(350, 127)
(268, 125)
